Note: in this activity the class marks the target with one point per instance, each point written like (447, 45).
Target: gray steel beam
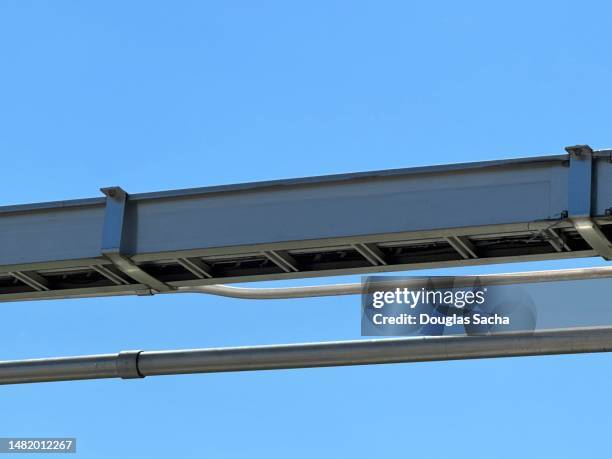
(455, 205)
(139, 364)
(331, 209)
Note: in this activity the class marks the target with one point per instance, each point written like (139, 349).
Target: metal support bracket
(580, 183)
(112, 236)
(197, 267)
(127, 365)
(371, 253)
(463, 246)
(591, 233)
(283, 260)
(32, 279)
(580, 202)
(556, 240)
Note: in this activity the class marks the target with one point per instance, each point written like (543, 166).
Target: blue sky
(161, 95)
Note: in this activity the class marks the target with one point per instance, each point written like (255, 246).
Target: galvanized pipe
(278, 293)
(59, 369)
(133, 364)
(275, 293)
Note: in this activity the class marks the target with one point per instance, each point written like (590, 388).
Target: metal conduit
(137, 364)
(355, 289)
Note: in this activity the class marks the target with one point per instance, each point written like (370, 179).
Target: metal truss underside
(104, 278)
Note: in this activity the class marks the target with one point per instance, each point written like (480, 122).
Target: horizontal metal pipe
(340, 353)
(59, 369)
(377, 351)
(278, 293)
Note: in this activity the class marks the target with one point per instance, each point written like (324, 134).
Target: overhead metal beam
(426, 217)
(139, 364)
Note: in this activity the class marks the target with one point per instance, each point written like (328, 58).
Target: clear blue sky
(152, 96)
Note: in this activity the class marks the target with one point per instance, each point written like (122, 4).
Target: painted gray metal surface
(283, 211)
(198, 231)
(580, 182)
(287, 211)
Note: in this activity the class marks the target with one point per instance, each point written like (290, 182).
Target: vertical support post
(112, 237)
(112, 230)
(580, 182)
(580, 202)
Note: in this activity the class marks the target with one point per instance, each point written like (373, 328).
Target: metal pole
(277, 293)
(137, 364)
